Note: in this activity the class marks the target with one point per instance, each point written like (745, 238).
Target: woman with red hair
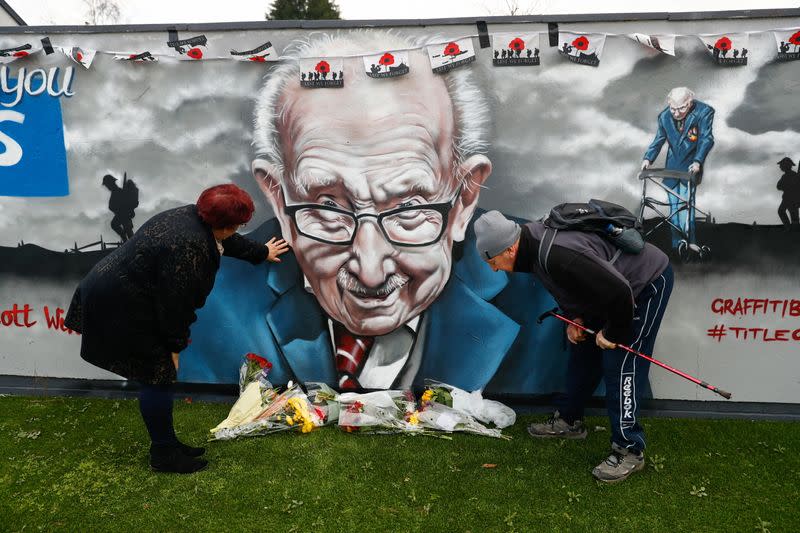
(135, 307)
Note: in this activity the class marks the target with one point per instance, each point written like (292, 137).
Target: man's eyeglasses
(413, 225)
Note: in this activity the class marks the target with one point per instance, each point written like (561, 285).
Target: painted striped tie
(351, 352)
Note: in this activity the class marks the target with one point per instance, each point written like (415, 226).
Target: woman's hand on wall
(276, 248)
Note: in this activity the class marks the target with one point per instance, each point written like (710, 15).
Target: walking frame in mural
(375, 186)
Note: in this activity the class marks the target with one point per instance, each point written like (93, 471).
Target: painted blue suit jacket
(682, 151)
(482, 330)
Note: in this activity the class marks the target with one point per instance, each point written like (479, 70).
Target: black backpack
(130, 194)
(613, 222)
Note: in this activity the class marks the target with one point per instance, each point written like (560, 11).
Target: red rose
(21, 53)
(386, 59)
(259, 59)
(452, 49)
(795, 39)
(195, 53)
(581, 43)
(723, 43)
(517, 44)
(323, 67)
(263, 363)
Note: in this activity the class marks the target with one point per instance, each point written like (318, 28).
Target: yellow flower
(289, 420)
(427, 395)
(414, 418)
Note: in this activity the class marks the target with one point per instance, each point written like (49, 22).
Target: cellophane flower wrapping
(261, 409)
(442, 408)
(376, 412)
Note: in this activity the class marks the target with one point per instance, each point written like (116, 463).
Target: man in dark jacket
(621, 296)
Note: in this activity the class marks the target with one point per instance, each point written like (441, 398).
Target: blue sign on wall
(33, 160)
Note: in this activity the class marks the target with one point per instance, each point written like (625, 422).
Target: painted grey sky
(48, 12)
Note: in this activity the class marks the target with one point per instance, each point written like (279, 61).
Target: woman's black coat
(136, 305)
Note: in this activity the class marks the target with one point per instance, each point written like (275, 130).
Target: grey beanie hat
(494, 233)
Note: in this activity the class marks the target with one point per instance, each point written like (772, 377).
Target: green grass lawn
(80, 465)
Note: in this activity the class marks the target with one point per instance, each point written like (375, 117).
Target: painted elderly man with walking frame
(686, 126)
(375, 186)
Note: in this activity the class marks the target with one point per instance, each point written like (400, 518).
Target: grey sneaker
(557, 427)
(619, 465)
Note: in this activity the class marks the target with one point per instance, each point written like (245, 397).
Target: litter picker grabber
(712, 388)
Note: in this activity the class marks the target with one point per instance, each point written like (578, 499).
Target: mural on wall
(375, 183)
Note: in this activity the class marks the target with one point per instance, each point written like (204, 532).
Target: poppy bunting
(517, 44)
(260, 59)
(452, 49)
(581, 43)
(795, 39)
(386, 59)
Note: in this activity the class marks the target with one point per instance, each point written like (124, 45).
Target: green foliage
(81, 465)
(303, 10)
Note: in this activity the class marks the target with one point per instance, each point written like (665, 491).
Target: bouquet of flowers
(324, 401)
(261, 409)
(438, 410)
(254, 368)
(472, 403)
(387, 411)
(262, 412)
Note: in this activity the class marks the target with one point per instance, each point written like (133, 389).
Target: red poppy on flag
(581, 43)
(729, 49)
(795, 39)
(723, 43)
(517, 44)
(80, 56)
(387, 64)
(583, 49)
(452, 49)
(323, 67)
(454, 54)
(195, 53)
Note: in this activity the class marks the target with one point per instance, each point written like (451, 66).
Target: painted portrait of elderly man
(375, 186)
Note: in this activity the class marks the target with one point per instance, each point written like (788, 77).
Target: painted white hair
(679, 94)
(470, 107)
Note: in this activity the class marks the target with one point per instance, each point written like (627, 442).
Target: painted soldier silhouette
(123, 202)
(789, 210)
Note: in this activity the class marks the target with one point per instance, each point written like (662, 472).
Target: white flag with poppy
(260, 54)
(81, 56)
(663, 43)
(192, 48)
(727, 48)
(8, 55)
(447, 56)
(141, 57)
(515, 49)
(322, 72)
(387, 64)
(788, 43)
(581, 48)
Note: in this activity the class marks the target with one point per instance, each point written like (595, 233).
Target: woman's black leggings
(155, 404)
